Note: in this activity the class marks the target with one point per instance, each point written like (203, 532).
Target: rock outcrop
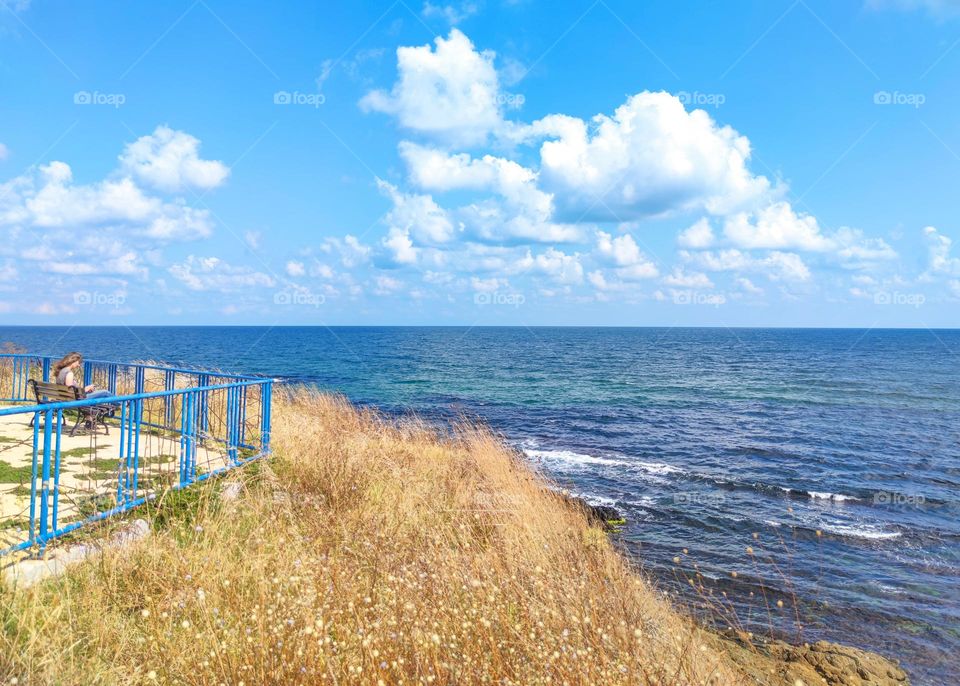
(776, 663)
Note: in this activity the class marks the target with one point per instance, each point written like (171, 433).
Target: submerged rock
(608, 517)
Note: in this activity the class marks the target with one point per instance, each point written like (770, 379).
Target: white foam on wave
(865, 531)
(819, 495)
(836, 497)
(597, 499)
(656, 467)
(568, 456)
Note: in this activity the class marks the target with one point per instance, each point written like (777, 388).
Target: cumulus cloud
(939, 247)
(625, 255)
(453, 14)
(649, 158)
(681, 279)
(416, 215)
(555, 264)
(213, 274)
(779, 226)
(450, 92)
(170, 161)
(46, 197)
(776, 265)
(700, 235)
(352, 252)
(775, 226)
(520, 209)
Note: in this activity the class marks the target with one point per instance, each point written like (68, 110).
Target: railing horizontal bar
(109, 400)
(179, 370)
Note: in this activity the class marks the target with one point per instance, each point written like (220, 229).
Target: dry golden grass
(362, 553)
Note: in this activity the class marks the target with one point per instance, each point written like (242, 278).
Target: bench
(90, 415)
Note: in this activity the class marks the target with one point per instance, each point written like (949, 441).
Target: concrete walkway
(89, 468)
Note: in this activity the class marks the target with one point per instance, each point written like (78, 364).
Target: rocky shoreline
(778, 663)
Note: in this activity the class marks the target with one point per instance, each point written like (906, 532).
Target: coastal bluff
(370, 552)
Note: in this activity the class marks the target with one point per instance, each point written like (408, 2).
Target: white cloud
(939, 249)
(776, 226)
(46, 197)
(621, 251)
(522, 211)
(624, 253)
(386, 285)
(400, 247)
(253, 239)
(779, 226)
(213, 274)
(681, 279)
(416, 215)
(451, 92)
(453, 14)
(555, 264)
(776, 265)
(170, 161)
(748, 286)
(295, 269)
(700, 235)
(487, 285)
(651, 157)
(352, 252)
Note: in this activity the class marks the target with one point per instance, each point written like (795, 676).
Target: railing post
(203, 380)
(46, 369)
(169, 383)
(123, 456)
(188, 441)
(138, 418)
(231, 430)
(56, 475)
(33, 479)
(45, 484)
(266, 390)
(112, 378)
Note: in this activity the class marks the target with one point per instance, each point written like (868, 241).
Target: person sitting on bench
(65, 368)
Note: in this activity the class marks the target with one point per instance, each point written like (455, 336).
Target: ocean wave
(657, 467)
(569, 457)
(864, 531)
(594, 499)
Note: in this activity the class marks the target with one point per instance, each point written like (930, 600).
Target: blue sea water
(833, 454)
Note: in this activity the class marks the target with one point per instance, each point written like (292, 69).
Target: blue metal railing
(198, 424)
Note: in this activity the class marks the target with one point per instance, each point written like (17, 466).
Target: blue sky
(778, 163)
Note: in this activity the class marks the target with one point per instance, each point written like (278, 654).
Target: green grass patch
(15, 475)
(14, 523)
(7, 439)
(83, 452)
(20, 491)
(101, 475)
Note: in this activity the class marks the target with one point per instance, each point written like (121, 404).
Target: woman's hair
(66, 361)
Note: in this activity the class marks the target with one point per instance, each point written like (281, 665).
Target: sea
(814, 468)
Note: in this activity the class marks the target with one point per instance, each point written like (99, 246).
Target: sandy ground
(89, 470)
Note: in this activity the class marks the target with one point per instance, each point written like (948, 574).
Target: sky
(484, 162)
